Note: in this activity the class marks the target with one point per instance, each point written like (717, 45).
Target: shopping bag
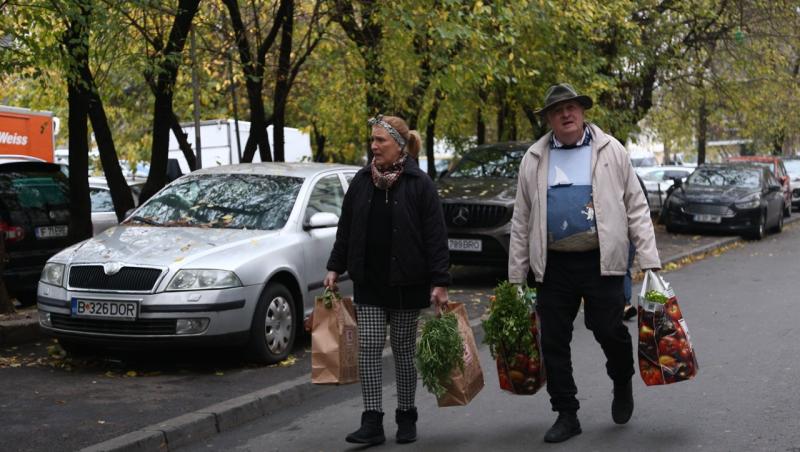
(511, 325)
(334, 340)
(665, 349)
(464, 383)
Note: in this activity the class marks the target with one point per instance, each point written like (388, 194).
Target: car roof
(13, 158)
(291, 169)
(649, 169)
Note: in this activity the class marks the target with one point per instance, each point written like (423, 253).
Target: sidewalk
(259, 405)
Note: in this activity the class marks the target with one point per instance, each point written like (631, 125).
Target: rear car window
(23, 190)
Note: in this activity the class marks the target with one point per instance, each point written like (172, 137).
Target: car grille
(127, 279)
(474, 215)
(140, 327)
(707, 209)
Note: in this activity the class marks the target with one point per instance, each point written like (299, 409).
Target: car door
(326, 195)
(103, 215)
(774, 199)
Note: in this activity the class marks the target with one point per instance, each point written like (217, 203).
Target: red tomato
(668, 345)
(674, 310)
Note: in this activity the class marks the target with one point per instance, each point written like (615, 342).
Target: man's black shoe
(622, 406)
(566, 427)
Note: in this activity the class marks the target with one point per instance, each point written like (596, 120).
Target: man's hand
(439, 297)
(654, 270)
(330, 281)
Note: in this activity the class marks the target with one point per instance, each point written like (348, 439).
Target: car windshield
(489, 162)
(230, 201)
(792, 167)
(724, 177)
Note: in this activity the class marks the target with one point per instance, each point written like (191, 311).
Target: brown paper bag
(334, 341)
(466, 384)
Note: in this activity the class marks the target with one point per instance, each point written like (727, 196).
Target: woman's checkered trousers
(372, 322)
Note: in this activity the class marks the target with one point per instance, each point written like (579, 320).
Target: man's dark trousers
(568, 278)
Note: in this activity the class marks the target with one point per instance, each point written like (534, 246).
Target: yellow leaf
(131, 373)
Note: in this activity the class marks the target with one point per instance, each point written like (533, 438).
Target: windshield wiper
(144, 220)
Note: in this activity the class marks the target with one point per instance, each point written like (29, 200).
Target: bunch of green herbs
(507, 329)
(439, 352)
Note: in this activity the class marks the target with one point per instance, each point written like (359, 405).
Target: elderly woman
(392, 241)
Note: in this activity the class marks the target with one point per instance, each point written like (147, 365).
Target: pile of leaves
(508, 327)
(440, 351)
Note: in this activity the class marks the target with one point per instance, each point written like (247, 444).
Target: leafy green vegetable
(655, 296)
(508, 327)
(440, 350)
(328, 297)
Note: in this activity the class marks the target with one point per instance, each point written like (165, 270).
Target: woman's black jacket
(419, 235)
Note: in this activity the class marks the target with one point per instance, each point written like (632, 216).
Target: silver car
(226, 255)
(103, 214)
(658, 179)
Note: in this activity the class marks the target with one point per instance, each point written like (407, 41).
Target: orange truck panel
(25, 132)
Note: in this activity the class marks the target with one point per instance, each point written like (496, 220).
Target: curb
(16, 332)
(224, 416)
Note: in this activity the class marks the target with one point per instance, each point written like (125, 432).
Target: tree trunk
(702, 131)
(430, 138)
(167, 72)
(80, 226)
(319, 141)
(480, 125)
(75, 42)
(282, 80)
(6, 306)
(536, 121)
(183, 142)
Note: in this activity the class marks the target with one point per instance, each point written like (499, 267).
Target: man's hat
(562, 93)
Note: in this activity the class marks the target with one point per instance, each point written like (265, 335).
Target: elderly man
(578, 207)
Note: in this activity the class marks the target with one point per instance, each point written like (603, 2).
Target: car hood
(729, 194)
(470, 189)
(169, 246)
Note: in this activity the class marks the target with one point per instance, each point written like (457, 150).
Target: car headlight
(749, 202)
(203, 279)
(53, 273)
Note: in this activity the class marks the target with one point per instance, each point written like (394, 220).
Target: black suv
(478, 199)
(34, 219)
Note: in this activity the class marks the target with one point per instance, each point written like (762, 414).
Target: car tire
(760, 230)
(274, 326)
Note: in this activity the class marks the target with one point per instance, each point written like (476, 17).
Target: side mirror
(322, 220)
(774, 188)
(677, 182)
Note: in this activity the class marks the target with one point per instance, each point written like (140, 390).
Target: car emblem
(461, 217)
(112, 268)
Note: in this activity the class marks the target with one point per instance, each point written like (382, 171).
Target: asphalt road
(741, 310)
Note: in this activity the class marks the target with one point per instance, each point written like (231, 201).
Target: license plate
(470, 245)
(707, 218)
(47, 232)
(102, 309)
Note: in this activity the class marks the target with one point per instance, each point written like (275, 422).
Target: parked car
(478, 199)
(793, 168)
(658, 179)
(739, 198)
(34, 220)
(229, 255)
(103, 215)
(775, 164)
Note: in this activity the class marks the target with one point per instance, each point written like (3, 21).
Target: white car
(659, 179)
(230, 255)
(103, 215)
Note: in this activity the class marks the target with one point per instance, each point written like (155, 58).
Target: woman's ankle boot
(406, 425)
(371, 431)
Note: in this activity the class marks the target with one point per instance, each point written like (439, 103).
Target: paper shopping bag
(464, 383)
(334, 340)
(665, 351)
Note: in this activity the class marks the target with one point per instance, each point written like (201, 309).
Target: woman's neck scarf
(384, 179)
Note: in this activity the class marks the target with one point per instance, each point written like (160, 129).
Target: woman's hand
(439, 297)
(330, 281)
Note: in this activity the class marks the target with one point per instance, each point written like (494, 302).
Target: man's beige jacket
(620, 208)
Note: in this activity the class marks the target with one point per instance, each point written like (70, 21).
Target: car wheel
(760, 229)
(779, 227)
(274, 328)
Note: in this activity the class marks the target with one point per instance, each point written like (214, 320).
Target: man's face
(385, 150)
(566, 120)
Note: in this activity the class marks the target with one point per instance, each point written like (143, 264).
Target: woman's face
(385, 150)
